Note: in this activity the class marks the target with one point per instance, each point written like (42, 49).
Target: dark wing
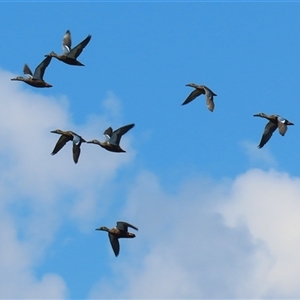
(40, 69)
(75, 52)
(114, 244)
(282, 127)
(269, 129)
(26, 70)
(123, 226)
(76, 152)
(193, 95)
(67, 42)
(108, 132)
(117, 134)
(210, 103)
(60, 143)
(209, 94)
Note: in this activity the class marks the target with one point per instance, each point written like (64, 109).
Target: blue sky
(217, 217)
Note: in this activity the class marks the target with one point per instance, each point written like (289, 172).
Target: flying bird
(115, 233)
(199, 90)
(112, 142)
(69, 55)
(65, 137)
(35, 79)
(275, 121)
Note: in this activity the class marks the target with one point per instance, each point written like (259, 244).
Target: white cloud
(17, 257)
(259, 156)
(268, 203)
(232, 239)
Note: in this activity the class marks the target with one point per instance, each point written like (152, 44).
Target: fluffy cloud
(17, 257)
(263, 156)
(268, 204)
(232, 239)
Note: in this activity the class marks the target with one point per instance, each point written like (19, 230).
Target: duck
(199, 90)
(275, 121)
(65, 137)
(115, 233)
(113, 138)
(69, 55)
(35, 79)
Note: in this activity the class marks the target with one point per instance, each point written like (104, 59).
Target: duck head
(18, 78)
(58, 131)
(93, 142)
(191, 85)
(51, 54)
(102, 228)
(258, 115)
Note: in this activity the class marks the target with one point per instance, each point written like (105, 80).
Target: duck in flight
(199, 90)
(65, 137)
(35, 79)
(115, 233)
(113, 138)
(69, 55)
(275, 122)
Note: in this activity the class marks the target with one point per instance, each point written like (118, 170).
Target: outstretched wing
(210, 103)
(193, 95)
(123, 226)
(282, 127)
(269, 129)
(117, 134)
(108, 133)
(76, 152)
(27, 71)
(75, 52)
(60, 143)
(114, 244)
(67, 42)
(40, 69)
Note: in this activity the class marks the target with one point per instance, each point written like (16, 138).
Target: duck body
(115, 233)
(275, 121)
(35, 79)
(67, 60)
(107, 146)
(65, 137)
(113, 139)
(33, 82)
(201, 90)
(70, 55)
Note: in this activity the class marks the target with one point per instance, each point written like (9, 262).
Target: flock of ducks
(275, 121)
(113, 137)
